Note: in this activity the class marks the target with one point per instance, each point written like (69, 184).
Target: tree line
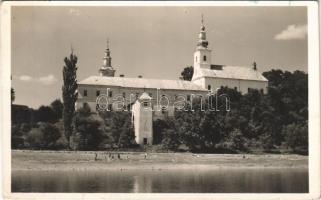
(273, 122)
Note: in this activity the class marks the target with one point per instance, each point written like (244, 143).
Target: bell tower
(202, 55)
(107, 69)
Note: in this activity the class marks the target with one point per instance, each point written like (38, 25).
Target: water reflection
(207, 181)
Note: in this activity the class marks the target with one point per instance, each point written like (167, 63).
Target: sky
(155, 42)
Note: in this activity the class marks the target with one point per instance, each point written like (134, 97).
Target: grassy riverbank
(62, 160)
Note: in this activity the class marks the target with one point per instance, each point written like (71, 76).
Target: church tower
(107, 69)
(202, 55)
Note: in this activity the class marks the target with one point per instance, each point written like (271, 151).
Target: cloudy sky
(155, 42)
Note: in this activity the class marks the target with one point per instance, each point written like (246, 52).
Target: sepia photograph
(176, 98)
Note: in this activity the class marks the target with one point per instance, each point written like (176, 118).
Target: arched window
(145, 104)
(204, 58)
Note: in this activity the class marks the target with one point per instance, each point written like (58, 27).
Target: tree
(69, 94)
(118, 130)
(296, 136)
(88, 129)
(50, 135)
(44, 136)
(13, 95)
(45, 114)
(187, 73)
(57, 107)
(170, 139)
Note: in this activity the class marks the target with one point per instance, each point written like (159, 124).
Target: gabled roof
(232, 72)
(145, 96)
(141, 83)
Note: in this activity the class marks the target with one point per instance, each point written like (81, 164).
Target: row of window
(85, 94)
(209, 87)
(110, 93)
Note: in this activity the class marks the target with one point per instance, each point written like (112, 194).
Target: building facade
(118, 93)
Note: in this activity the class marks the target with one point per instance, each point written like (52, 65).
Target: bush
(44, 136)
(296, 136)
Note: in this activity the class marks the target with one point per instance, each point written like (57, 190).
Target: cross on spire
(71, 49)
(107, 43)
(202, 19)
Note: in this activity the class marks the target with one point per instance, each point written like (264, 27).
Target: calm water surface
(208, 181)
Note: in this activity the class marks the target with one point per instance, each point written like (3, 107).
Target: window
(85, 93)
(97, 93)
(145, 141)
(110, 107)
(204, 58)
(262, 91)
(145, 104)
(209, 87)
(110, 93)
(235, 88)
(188, 97)
(163, 110)
(124, 94)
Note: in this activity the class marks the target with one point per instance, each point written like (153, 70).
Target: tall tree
(57, 107)
(69, 93)
(187, 73)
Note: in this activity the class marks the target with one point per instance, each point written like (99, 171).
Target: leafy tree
(69, 93)
(187, 73)
(34, 139)
(13, 95)
(118, 129)
(57, 107)
(170, 139)
(44, 136)
(88, 129)
(158, 129)
(45, 114)
(296, 136)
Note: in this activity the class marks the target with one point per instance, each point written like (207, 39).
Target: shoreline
(86, 161)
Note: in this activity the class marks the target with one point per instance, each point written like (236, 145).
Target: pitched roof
(145, 96)
(232, 72)
(141, 83)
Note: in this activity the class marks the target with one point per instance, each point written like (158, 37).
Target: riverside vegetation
(273, 122)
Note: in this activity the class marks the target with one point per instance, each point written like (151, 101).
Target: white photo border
(314, 104)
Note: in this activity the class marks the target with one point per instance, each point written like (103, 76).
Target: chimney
(140, 76)
(121, 75)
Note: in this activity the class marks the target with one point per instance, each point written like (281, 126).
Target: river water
(248, 180)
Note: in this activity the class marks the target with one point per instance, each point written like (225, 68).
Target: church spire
(107, 69)
(202, 42)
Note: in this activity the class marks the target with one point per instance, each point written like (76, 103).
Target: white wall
(130, 95)
(240, 85)
(143, 123)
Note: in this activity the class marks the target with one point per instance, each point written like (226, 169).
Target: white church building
(147, 97)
